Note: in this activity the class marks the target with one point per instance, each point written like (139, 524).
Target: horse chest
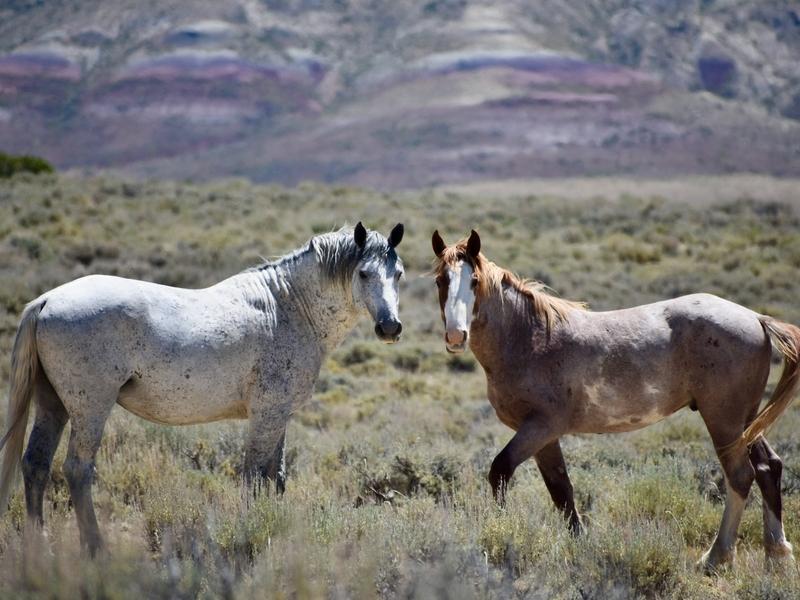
(512, 403)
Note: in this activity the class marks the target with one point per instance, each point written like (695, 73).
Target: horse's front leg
(270, 410)
(265, 455)
(554, 472)
(533, 435)
(271, 402)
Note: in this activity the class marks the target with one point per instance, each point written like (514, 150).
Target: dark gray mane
(337, 253)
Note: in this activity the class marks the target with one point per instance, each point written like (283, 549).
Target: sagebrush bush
(639, 557)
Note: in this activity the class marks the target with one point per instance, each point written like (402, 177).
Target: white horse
(249, 347)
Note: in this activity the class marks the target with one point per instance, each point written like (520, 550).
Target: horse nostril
(458, 336)
(391, 327)
(386, 329)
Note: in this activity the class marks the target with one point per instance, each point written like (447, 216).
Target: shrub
(359, 353)
(461, 363)
(641, 556)
(243, 534)
(11, 165)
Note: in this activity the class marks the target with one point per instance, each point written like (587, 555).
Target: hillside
(400, 95)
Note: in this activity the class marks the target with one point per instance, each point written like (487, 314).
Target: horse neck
(502, 331)
(323, 306)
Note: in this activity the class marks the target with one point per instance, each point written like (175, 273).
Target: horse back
(112, 326)
(624, 369)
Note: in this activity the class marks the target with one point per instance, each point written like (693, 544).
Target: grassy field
(387, 493)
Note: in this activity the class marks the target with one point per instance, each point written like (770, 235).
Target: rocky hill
(403, 94)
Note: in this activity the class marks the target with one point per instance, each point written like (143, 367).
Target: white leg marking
(773, 528)
(775, 544)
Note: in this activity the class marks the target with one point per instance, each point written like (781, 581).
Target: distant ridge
(417, 93)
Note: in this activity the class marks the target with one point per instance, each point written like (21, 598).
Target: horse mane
(336, 252)
(491, 278)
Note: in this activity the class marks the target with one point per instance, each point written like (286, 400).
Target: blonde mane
(491, 278)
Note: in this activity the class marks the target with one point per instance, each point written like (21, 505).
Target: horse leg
(531, 437)
(265, 456)
(739, 476)
(768, 468)
(51, 416)
(551, 465)
(79, 470)
(270, 408)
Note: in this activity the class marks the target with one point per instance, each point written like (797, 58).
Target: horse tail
(24, 369)
(786, 338)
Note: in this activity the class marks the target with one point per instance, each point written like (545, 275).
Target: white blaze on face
(375, 287)
(459, 304)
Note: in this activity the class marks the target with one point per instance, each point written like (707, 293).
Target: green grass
(387, 493)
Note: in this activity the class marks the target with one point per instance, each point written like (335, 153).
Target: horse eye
(398, 275)
(474, 283)
(362, 274)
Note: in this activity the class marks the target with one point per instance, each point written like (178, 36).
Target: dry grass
(694, 189)
(387, 494)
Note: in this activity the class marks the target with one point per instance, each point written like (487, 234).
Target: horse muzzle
(388, 331)
(456, 340)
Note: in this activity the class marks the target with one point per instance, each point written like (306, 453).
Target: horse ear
(438, 243)
(360, 235)
(474, 244)
(396, 236)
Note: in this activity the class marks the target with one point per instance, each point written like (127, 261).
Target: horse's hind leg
(768, 467)
(79, 466)
(739, 475)
(551, 465)
(51, 416)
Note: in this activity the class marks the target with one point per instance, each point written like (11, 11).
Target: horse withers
(553, 367)
(249, 347)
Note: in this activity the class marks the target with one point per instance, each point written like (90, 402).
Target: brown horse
(553, 368)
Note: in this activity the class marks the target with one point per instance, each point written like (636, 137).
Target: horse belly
(174, 402)
(609, 409)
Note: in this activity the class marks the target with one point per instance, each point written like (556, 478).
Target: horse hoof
(779, 554)
(714, 560)
(577, 527)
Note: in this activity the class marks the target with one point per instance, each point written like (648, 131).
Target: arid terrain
(403, 95)
(387, 494)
